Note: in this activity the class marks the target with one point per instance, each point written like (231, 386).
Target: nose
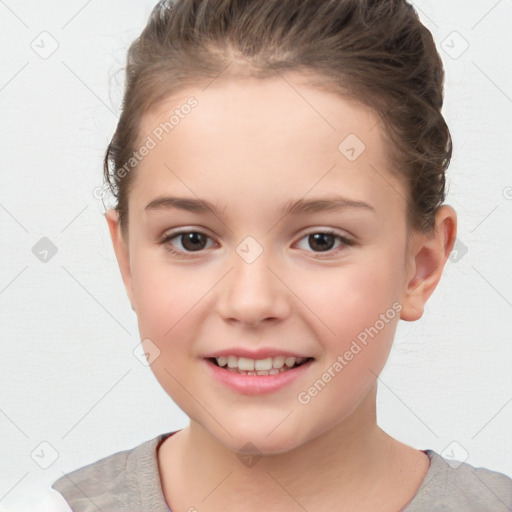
(253, 293)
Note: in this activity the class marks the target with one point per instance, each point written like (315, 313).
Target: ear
(121, 250)
(427, 256)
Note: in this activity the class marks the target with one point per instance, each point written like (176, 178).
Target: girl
(279, 171)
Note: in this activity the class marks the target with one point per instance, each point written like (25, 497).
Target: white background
(68, 374)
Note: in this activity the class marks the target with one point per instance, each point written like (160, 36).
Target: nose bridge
(252, 292)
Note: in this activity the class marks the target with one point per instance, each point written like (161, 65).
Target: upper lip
(262, 353)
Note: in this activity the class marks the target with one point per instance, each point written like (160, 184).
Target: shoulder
(124, 479)
(458, 486)
(52, 501)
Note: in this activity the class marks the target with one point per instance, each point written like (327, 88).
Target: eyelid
(169, 235)
(347, 240)
(172, 233)
(324, 229)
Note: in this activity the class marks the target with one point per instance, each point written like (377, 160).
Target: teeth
(262, 364)
(246, 364)
(268, 366)
(278, 362)
(289, 361)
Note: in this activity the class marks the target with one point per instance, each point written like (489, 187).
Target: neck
(349, 462)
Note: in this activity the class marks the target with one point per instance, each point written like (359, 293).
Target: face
(251, 279)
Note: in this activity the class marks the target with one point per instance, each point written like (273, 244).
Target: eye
(190, 241)
(324, 240)
(195, 241)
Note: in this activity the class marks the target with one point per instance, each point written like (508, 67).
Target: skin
(249, 147)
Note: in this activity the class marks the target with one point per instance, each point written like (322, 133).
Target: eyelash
(170, 236)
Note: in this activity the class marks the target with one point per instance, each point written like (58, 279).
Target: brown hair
(375, 51)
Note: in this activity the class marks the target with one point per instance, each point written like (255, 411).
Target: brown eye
(193, 241)
(190, 241)
(321, 241)
(324, 242)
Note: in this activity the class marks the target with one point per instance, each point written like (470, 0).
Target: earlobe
(121, 252)
(429, 253)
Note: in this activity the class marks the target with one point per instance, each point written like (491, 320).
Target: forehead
(271, 140)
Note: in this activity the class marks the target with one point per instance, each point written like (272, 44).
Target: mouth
(261, 367)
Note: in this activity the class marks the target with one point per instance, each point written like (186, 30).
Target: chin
(258, 438)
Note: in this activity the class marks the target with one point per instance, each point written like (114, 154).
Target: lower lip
(256, 384)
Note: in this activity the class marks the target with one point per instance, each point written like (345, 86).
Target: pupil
(316, 240)
(319, 240)
(189, 239)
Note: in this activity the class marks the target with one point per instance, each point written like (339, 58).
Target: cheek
(349, 298)
(361, 314)
(355, 316)
(168, 298)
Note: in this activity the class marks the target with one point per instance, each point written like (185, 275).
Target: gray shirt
(130, 481)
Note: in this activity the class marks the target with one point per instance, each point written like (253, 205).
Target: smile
(257, 376)
(267, 366)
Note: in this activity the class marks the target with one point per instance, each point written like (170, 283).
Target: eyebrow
(300, 206)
